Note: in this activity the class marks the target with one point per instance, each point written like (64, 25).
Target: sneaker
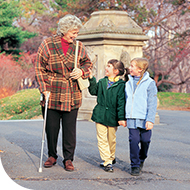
(135, 171)
(102, 164)
(108, 168)
(114, 161)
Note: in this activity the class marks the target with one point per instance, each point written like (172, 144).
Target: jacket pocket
(111, 117)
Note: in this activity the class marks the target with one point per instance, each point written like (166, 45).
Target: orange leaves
(12, 71)
(61, 14)
(4, 92)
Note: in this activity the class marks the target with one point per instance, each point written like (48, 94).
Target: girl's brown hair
(117, 65)
(141, 63)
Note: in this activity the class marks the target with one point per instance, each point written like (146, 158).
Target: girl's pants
(138, 154)
(106, 142)
(68, 132)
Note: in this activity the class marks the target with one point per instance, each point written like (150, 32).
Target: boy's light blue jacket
(141, 103)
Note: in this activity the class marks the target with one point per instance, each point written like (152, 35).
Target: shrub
(14, 69)
(22, 105)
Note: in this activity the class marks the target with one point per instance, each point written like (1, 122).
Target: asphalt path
(167, 165)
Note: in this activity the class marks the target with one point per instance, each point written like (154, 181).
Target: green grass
(22, 105)
(171, 100)
(25, 104)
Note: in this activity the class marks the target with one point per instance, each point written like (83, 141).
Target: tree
(11, 36)
(18, 70)
(165, 21)
(168, 47)
(40, 16)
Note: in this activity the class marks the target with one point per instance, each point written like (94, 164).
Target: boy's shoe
(141, 166)
(135, 171)
(102, 164)
(108, 168)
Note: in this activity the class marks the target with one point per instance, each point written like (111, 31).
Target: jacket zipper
(132, 100)
(134, 94)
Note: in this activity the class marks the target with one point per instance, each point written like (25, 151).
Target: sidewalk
(167, 166)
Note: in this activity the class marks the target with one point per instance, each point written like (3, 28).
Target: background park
(25, 23)
(23, 26)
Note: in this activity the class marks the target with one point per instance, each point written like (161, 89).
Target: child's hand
(90, 73)
(123, 123)
(149, 125)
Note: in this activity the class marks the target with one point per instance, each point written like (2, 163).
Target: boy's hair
(117, 65)
(141, 63)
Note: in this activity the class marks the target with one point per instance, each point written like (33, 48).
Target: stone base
(84, 114)
(157, 119)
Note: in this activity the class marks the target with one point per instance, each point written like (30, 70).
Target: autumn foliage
(13, 70)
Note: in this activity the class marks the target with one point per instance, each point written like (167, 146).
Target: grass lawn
(174, 101)
(22, 105)
(25, 104)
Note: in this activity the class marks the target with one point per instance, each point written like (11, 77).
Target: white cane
(43, 132)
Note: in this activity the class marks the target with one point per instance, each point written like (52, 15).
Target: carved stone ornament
(94, 59)
(125, 58)
(106, 22)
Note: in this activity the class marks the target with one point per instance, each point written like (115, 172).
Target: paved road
(167, 167)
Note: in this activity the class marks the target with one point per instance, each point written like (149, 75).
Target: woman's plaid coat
(53, 69)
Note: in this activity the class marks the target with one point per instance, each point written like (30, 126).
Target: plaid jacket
(53, 69)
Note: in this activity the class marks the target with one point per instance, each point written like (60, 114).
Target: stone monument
(109, 35)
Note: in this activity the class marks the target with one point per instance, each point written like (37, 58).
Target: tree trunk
(156, 79)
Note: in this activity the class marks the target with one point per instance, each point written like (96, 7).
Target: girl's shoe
(102, 164)
(108, 168)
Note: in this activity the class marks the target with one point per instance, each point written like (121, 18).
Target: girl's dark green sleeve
(121, 104)
(93, 88)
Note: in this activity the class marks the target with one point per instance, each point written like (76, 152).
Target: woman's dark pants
(136, 137)
(68, 132)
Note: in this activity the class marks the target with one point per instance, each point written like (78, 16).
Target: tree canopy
(11, 36)
(165, 21)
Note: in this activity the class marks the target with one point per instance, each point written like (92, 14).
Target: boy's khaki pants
(106, 142)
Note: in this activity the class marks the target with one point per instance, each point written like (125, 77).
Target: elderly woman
(55, 73)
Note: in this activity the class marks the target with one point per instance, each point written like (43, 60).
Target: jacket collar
(115, 84)
(70, 53)
(145, 77)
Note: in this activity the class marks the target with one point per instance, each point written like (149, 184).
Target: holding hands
(90, 73)
(123, 123)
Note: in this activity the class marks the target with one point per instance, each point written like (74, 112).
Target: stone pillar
(157, 117)
(109, 35)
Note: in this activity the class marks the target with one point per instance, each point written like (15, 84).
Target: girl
(141, 104)
(109, 111)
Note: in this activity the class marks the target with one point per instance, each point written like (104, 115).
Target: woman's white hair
(67, 23)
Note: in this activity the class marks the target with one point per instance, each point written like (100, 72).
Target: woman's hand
(46, 93)
(76, 73)
(149, 125)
